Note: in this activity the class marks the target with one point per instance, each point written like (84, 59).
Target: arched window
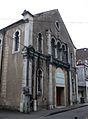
(63, 53)
(16, 41)
(53, 47)
(40, 43)
(58, 50)
(39, 81)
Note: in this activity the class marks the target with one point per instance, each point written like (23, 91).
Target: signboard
(60, 78)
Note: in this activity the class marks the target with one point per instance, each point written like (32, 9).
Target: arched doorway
(60, 87)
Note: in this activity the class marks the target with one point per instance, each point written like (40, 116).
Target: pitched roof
(82, 54)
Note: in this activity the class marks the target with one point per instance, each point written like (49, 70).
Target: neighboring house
(82, 72)
(38, 62)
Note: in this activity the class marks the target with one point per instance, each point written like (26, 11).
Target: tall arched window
(16, 41)
(40, 43)
(39, 81)
(58, 50)
(63, 53)
(53, 47)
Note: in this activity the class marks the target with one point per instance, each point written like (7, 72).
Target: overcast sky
(73, 12)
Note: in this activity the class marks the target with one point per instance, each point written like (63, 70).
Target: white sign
(60, 78)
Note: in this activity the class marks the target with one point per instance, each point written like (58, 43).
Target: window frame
(71, 60)
(59, 50)
(14, 41)
(57, 24)
(53, 53)
(41, 82)
(63, 52)
(41, 40)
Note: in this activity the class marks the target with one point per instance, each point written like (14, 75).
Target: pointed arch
(16, 41)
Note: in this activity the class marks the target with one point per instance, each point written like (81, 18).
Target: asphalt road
(80, 113)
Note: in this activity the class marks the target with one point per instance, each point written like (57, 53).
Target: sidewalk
(43, 113)
(7, 114)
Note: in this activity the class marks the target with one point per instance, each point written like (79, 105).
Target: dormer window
(57, 26)
(16, 41)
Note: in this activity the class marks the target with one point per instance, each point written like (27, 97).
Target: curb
(64, 110)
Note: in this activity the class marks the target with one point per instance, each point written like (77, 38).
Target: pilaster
(4, 71)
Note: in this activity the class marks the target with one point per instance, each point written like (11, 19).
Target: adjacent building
(37, 63)
(82, 72)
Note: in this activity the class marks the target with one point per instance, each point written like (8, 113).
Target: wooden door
(58, 96)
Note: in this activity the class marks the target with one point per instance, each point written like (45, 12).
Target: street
(80, 113)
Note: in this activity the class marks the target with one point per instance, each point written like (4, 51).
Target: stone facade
(38, 56)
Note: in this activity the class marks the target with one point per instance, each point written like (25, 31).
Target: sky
(73, 12)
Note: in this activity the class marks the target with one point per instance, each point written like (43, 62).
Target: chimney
(27, 15)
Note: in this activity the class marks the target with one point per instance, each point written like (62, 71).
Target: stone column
(77, 87)
(50, 87)
(50, 71)
(27, 41)
(70, 89)
(23, 84)
(69, 78)
(4, 71)
(30, 76)
(49, 41)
